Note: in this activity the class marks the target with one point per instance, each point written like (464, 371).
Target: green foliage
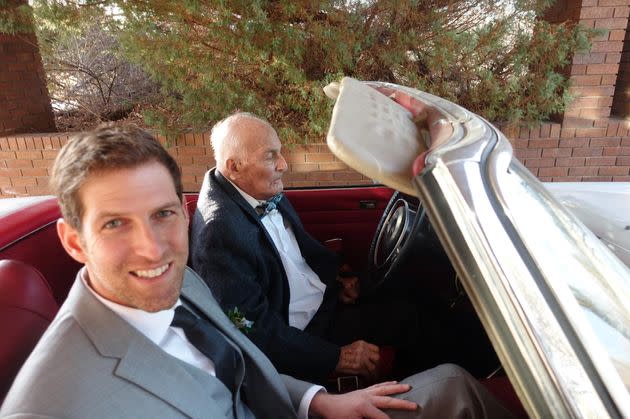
(15, 18)
(272, 57)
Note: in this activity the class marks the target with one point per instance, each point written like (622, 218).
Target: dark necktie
(209, 341)
(269, 205)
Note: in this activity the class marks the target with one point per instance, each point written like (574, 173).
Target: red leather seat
(27, 307)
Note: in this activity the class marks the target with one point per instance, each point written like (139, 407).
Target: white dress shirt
(306, 290)
(157, 328)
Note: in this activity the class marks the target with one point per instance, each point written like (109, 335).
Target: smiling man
(140, 335)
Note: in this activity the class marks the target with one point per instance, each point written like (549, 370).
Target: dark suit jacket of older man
(232, 251)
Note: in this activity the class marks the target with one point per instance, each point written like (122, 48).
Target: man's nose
(148, 243)
(281, 165)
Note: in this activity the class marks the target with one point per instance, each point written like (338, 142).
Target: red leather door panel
(351, 214)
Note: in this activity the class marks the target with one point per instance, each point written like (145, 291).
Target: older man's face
(260, 172)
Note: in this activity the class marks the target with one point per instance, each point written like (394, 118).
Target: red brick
(602, 69)
(604, 101)
(573, 122)
(524, 133)
(19, 163)
(191, 150)
(542, 162)
(295, 176)
(590, 132)
(587, 152)
(347, 176)
(623, 161)
(589, 80)
(37, 190)
(14, 190)
(589, 58)
(593, 90)
(568, 179)
(597, 12)
(578, 69)
(524, 153)
(613, 171)
(319, 157)
(606, 46)
(622, 12)
(612, 128)
(613, 58)
(520, 143)
(583, 171)
(556, 152)
(616, 35)
(534, 170)
(24, 181)
(42, 163)
(555, 131)
(7, 155)
(609, 80)
(600, 161)
(4, 144)
(595, 113)
(567, 133)
(545, 178)
(203, 160)
(597, 179)
(5, 172)
(49, 154)
(304, 167)
(295, 157)
(320, 176)
(605, 142)
(545, 130)
(184, 160)
(612, 23)
(199, 140)
(543, 143)
(333, 166)
(28, 155)
(569, 161)
(616, 151)
(553, 171)
(36, 171)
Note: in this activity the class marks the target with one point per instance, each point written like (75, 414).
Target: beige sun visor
(373, 134)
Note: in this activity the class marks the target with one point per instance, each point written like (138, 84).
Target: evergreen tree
(272, 57)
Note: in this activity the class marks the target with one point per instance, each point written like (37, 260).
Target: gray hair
(224, 138)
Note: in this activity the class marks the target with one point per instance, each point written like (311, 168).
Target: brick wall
(24, 101)
(26, 160)
(552, 152)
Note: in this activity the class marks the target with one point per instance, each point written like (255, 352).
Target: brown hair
(108, 147)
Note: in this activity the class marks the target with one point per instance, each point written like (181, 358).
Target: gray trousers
(448, 391)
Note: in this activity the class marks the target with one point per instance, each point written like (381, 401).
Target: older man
(265, 265)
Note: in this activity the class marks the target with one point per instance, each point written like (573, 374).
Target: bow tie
(269, 205)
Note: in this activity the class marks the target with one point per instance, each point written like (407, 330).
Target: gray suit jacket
(92, 363)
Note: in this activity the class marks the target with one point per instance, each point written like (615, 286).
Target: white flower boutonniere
(239, 320)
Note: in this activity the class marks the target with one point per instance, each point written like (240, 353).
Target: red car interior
(36, 273)
(27, 307)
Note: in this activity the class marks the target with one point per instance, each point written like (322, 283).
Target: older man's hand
(359, 358)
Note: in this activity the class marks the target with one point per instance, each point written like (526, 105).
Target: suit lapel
(115, 338)
(260, 374)
(250, 212)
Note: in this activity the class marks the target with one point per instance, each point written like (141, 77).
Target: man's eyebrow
(114, 214)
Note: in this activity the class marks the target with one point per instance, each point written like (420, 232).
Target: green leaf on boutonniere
(239, 320)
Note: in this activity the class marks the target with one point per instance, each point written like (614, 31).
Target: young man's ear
(71, 240)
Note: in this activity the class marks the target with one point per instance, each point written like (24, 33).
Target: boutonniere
(239, 320)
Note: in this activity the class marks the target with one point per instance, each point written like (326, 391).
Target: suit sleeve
(234, 267)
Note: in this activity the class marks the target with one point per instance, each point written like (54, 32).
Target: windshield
(568, 254)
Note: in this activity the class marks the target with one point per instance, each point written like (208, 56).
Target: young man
(140, 335)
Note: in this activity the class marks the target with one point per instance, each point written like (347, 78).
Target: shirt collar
(152, 325)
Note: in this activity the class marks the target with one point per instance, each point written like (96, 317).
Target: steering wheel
(402, 225)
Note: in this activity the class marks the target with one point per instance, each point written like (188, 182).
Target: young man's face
(134, 239)
(260, 174)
